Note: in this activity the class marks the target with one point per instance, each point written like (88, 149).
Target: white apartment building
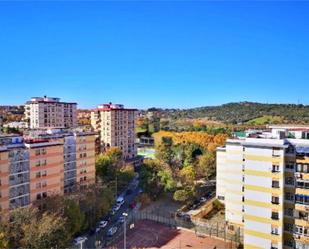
(116, 126)
(49, 112)
(264, 184)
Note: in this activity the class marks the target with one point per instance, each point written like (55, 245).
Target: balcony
(20, 202)
(18, 155)
(15, 168)
(19, 191)
(19, 179)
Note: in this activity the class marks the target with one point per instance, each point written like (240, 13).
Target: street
(101, 236)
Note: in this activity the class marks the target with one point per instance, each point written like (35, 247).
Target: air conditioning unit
(296, 236)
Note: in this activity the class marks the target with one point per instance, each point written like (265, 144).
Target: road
(101, 236)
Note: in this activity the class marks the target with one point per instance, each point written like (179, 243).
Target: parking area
(150, 234)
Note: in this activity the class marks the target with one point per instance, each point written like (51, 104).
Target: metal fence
(201, 229)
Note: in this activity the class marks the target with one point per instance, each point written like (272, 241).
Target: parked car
(120, 201)
(116, 207)
(112, 231)
(103, 224)
(186, 217)
(203, 199)
(121, 219)
(79, 240)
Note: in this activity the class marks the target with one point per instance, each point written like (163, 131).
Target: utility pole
(125, 215)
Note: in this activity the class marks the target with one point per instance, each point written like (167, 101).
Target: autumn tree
(206, 165)
(30, 229)
(164, 151)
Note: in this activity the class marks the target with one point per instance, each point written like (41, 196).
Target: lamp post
(125, 215)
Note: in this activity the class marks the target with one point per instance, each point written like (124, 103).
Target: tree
(206, 165)
(105, 169)
(30, 229)
(108, 163)
(164, 151)
(4, 243)
(149, 179)
(187, 175)
(47, 231)
(74, 217)
(166, 179)
(181, 195)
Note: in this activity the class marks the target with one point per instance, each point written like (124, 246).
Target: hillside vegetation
(243, 112)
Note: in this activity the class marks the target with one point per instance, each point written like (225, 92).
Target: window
(37, 152)
(274, 245)
(289, 165)
(275, 168)
(38, 174)
(275, 230)
(275, 215)
(44, 173)
(288, 227)
(289, 196)
(38, 163)
(43, 162)
(38, 196)
(38, 185)
(288, 212)
(44, 195)
(275, 199)
(275, 184)
(289, 180)
(44, 184)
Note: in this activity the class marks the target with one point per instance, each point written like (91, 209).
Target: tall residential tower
(264, 183)
(48, 112)
(116, 126)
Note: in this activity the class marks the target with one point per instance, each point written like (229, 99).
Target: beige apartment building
(116, 126)
(49, 112)
(34, 167)
(264, 184)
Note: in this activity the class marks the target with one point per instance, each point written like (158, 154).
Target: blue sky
(163, 54)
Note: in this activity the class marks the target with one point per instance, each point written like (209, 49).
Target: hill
(243, 112)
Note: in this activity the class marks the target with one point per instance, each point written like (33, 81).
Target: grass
(266, 120)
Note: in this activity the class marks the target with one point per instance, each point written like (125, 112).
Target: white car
(102, 224)
(120, 201)
(79, 240)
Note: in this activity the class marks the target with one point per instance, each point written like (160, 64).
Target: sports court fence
(216, 230)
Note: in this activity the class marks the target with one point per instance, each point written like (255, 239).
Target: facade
(116, 126)
(264, 184)
(49, 112)
(35, 167)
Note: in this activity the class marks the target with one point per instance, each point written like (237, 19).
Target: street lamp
(125, 215)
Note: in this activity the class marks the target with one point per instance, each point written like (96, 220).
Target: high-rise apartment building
(116, 126)
(264, 184)
(48, 112)
(33, 167)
